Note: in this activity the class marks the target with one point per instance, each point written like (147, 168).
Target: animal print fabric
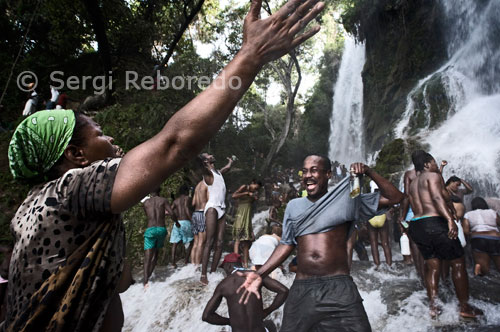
(69, 252)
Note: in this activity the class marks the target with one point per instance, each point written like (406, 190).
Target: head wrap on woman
(39, 141)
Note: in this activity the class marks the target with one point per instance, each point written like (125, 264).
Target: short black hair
(478, 203)
(419, 158)
(184, 190)
(327, 164)
(255, 181)
(452, 178)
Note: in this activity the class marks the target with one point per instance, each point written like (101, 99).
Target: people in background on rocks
(156, 208)
(200, 198)
(434, 231)
(481, 224)
(378, 227)
(453, 186)
(182, 232)
(243, 236)
(323, 295)
(31, 104)
(274, 212)
(215, 210)
(249, 317)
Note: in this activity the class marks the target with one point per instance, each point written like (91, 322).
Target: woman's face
(97, 146)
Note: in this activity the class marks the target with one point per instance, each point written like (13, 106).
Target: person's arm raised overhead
(188, 130)
(228, 166)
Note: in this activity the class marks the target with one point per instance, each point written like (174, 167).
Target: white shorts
(220, 210)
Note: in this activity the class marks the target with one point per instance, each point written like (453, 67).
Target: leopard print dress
(68, 253)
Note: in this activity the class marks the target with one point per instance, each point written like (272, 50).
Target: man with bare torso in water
(435, 233)
(200, 199)
(242, 318)
(155, 207)
(182, 232)
(323, 296)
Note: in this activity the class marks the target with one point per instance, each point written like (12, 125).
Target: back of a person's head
(452, 178)
(478, 203)
(277, 230)
(419, 158)
(184, 190)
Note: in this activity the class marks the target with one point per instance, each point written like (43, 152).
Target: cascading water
(346, 123)
(469, 138)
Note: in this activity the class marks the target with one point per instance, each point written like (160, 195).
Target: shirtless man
(155, 208)
(242, 318)
(182, 231)
(200, 198)
(323, 295)
(215, 210)
(435, 233)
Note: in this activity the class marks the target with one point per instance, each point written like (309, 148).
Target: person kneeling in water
(249, 317)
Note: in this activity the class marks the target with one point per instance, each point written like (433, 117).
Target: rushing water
(469, 138)
(393, 298)
(346, 122)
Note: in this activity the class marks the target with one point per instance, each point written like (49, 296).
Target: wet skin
(243, 318)
(182, 211)
(429, 197)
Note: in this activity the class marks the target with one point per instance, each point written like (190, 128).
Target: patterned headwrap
(39, 141)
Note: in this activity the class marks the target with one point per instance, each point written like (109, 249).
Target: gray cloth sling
(334, 208)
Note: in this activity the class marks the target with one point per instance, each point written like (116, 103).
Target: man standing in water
(215, 210)
(323, 295)
(435, 233)
(182, 231)
(155, 207)
(248, 317)
(200, 199)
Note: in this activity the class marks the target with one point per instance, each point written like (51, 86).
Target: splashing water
(346, 123)
(469, 137)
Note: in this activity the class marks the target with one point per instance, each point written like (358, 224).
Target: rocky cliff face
(404, 42)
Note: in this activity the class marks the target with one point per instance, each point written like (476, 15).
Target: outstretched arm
(188, 130)
(280, 289)
(389, 195)
(254, 279)
(209, 314)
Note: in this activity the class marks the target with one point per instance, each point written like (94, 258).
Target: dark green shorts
(325, 304)
(154, 237)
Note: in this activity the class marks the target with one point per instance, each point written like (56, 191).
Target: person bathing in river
(482, 223)
(200, 199)
(323, 296)
(453, 187)
(215, 210)
(434, 231)
(85, 187)
(181, 231)
(155, 208)
(242, 318)
(242, 229)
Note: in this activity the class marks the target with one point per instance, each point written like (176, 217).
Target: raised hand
(273, 37)
(250, 286)
(358, 168)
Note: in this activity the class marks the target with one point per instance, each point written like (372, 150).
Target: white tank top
(217, 191)
(482, 220)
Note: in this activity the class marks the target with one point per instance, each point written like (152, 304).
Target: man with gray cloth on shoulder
(323, 296)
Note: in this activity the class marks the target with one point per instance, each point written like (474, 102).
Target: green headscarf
(39, 141)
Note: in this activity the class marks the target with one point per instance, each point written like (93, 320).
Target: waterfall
(469, 84)
(346, 123)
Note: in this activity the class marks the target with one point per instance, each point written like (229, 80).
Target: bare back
(428, 196)
(244, 318)
(200, 197)
(181, 208)
(155, 208)
(323, 254)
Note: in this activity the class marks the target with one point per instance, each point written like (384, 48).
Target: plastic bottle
(405, 245)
